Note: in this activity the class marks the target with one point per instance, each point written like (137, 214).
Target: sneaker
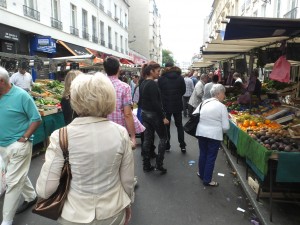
(26, 205)
(183, 150)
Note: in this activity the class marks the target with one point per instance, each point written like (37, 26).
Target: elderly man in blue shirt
(19, 119)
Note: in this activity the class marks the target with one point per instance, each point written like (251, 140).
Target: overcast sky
(182, 26)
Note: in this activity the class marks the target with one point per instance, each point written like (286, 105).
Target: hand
(128, 215)
(22, 139)
(133, 143)
(166, 122)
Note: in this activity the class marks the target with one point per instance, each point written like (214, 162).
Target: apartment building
(52, 28)
(144, 29)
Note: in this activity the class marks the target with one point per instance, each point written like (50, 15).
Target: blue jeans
(208, 155)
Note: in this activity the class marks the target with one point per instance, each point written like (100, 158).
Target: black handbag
(52, 207)
(190, 126)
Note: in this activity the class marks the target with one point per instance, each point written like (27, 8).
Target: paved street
(177, 198)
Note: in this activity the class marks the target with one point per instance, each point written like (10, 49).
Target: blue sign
(43, 44)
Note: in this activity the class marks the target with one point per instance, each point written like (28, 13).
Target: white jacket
(214, 119)
(102, 169)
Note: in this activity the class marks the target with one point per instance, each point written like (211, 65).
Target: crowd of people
(102, 131)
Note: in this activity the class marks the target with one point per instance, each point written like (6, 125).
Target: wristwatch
(25, 138)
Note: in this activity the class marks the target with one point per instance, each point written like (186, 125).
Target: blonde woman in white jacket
(100, 155)
(213, 123)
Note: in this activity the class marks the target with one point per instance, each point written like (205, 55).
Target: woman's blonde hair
(71, 75)
(93, 95)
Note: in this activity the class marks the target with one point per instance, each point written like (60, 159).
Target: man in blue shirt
(18, 121)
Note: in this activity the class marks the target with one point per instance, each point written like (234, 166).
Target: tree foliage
(167, 56)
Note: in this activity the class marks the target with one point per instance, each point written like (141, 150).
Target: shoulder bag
(52, 207)
(190, 126)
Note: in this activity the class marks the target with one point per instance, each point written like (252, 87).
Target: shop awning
(242, 34)
(260, 27)
(74, 49)
(97, 59)
(126, 61)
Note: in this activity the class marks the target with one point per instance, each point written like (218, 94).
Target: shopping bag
(281, 70)
(190, 126)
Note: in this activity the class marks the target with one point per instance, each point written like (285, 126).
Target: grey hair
(4, 75)
(203, 75)
(217, 89)
(93, 95)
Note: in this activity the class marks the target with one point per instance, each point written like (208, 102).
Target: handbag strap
(63, 142)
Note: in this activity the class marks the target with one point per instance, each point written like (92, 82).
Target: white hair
(4, 75)
(216, 89)
(93, 95)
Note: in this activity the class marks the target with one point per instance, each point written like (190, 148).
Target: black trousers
(153, 123)
(187, 108)
(178, 124)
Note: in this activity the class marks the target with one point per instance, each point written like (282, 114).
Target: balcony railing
(116, 48)
(122, 50)
(121, 23)
(95, 39)
(3, 3)
(126, 52)
(85, 34)
(110, 45)
(74, 31)
(101, 7)
(56, 23)
(32, 13)
(109, 13)
(291, 14)
(102, 42)
(116, 19)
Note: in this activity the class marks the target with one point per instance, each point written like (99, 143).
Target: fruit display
(47, 95)
(275, 139)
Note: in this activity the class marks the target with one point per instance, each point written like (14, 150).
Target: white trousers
(17, 158)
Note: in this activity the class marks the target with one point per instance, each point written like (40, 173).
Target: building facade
(144, 29)
(100, 25)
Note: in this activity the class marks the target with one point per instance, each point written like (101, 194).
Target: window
(116, 41)
(94, 25)
(85, 33)
(263, 10)
(125, 22)
(109, 37)
(278, 8)
(121, 43)
(29, 9)
(55, 11)
(30, 3)
(126, 44)
(73, 16)
(116, 11)
(102, 42)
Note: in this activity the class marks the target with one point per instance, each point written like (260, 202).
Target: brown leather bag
(52, 207)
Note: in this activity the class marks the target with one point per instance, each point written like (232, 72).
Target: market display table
(49, 124)
(275, 170)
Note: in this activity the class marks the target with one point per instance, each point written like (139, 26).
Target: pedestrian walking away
(213, 122)
(100, 156)
(18, 121)
(189, 86)
(153, 117)
(172, 88)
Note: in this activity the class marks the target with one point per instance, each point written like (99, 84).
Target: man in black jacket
(172, 87)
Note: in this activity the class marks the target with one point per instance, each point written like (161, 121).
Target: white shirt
(214, 119)
(23, 81)
(197, 94)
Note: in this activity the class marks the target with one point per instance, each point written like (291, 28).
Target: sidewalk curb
(261, 211)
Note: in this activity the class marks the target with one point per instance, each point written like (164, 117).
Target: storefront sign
(8, 47)
(9, 33)
(43, 44)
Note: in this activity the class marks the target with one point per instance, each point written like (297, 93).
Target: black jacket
(172, 88)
